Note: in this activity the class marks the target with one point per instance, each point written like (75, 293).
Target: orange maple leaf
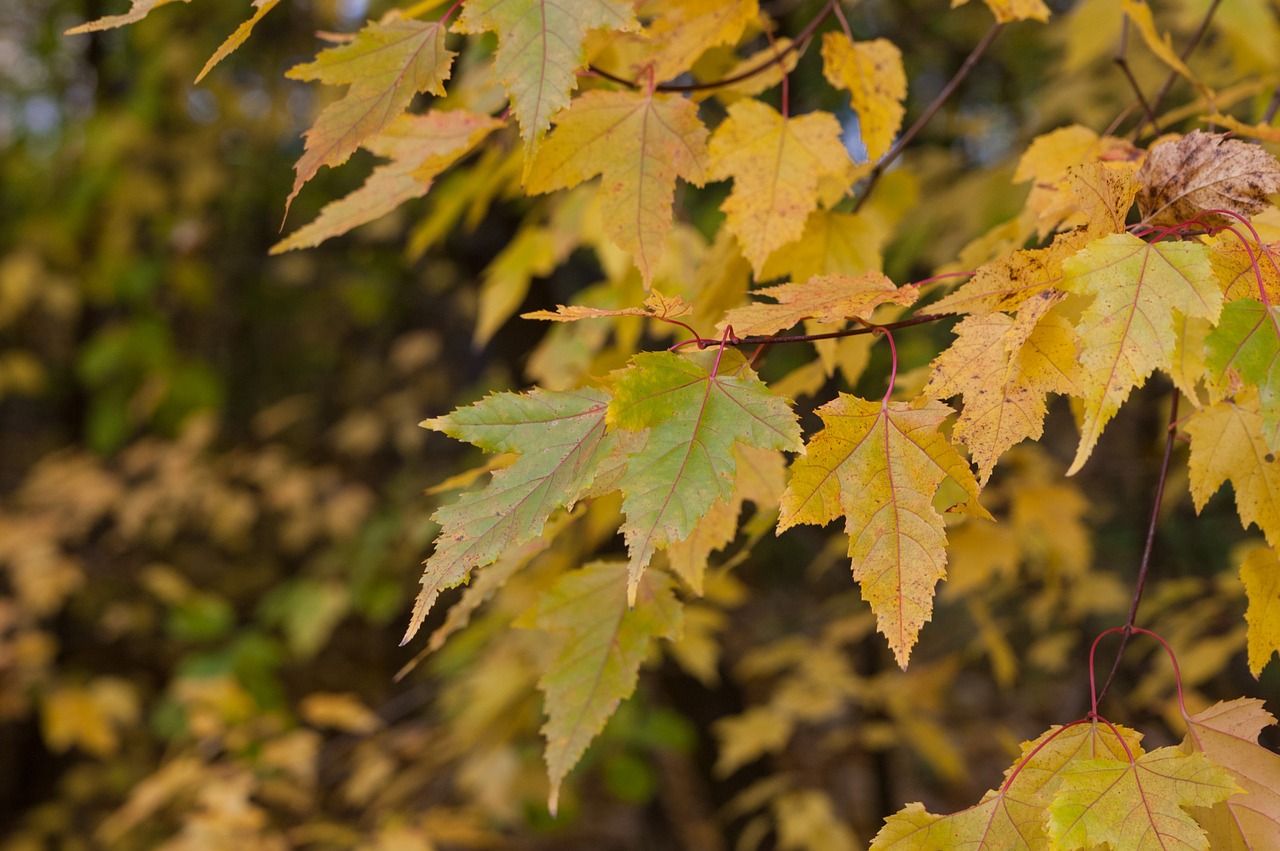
(827, 298)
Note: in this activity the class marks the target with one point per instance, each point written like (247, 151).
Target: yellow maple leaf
(830, 244)
(1227, 444)
(871, 71)
(386, 64)
(1006, 283)
(828, 298)
(238, 37)
(776, 162)
(1238, 265)
(1078, 177)
(880, 464)
(419, 147)
(1007, 11)
(682, 31)
(1127, 332)
(1004, 367)
(1139, 15)
(1260, 573)
(640, 142)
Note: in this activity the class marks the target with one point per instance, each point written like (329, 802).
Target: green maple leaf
(562, 443)
(386, 64)
(599, 662)
(1247, 340)
(694, 409)
(540, 49)
(1137, 804)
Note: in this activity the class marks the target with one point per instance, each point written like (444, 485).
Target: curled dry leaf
(1205, 171)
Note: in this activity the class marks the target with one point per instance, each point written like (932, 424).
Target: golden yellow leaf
(1140, 16)
(1227, 444)
(138, 10)
(871, 71)
(685, 29)
(1238, 266)
(759, 81)
(1005, 284)
(238, 37)
(656, 305)
(342, 711)
(776, 163)
(880, 465)
(640, 143)
(827, 298)
(1007, 11)
(1260, 573)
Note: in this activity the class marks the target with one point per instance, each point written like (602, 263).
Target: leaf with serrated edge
(871, 71)
(694, 410)
(598, 665)
(656, 306)
(1247, 341)
(419, 147)
(827, 298)
(880, 464)
(1005, 367)
(1127, 332)
(1006, 283)
(1227, 443)
(1238, 266)
(138, 10)
(1138, 804)
(1008, 818)
(561, 440)
(1227, 733)
(238, 37)
(540, 50)
(385, 65)
(640, 143)
(685, 30)
(1260, 573)
(776, 162)
(1183, 179)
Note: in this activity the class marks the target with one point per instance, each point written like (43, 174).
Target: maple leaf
(561, 440)
(385, 65)
(1247, 341)
(1013, 816)
(656, 306)
(640, 142)
(830, 244)
(1227, 733)
(540, 49)
(694, 410)
(237, 38)
(758, 81)
(1183, 179)
(419, 147)
(776, 162)
(1079, 178)
(1104, 192)
(1227, 443)
(871, 71)
(1007, 11)
(684, 30)
(138, 10)
(1004, 367)
(1260, 573)
(828, 298)
(880, 464)
(1127, 331)
(1005, 284)
(1138, 803)
(598, 665)
(1238, 267)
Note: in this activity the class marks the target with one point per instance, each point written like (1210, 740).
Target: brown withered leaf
(1205, 171)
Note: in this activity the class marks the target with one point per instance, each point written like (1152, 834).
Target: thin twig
(1184, 56)
(1122, 60)
(1146, 551)
(907, 137)
(799, 43)
(835, 335)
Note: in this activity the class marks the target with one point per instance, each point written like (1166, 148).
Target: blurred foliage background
(212, 506)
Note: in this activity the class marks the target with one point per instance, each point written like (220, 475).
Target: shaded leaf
(384, 65)
(540, 49)
(598, 665)
(880, 464)
(694, 410)
(1227, 733)
(1247, 342)
(561, 440)
(640, 143)
(775, 162)
(419, 147)
(1127, 331)
(1260, 573)
(1183, 179)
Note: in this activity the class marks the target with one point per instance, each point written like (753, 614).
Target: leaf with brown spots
(1183, 179)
